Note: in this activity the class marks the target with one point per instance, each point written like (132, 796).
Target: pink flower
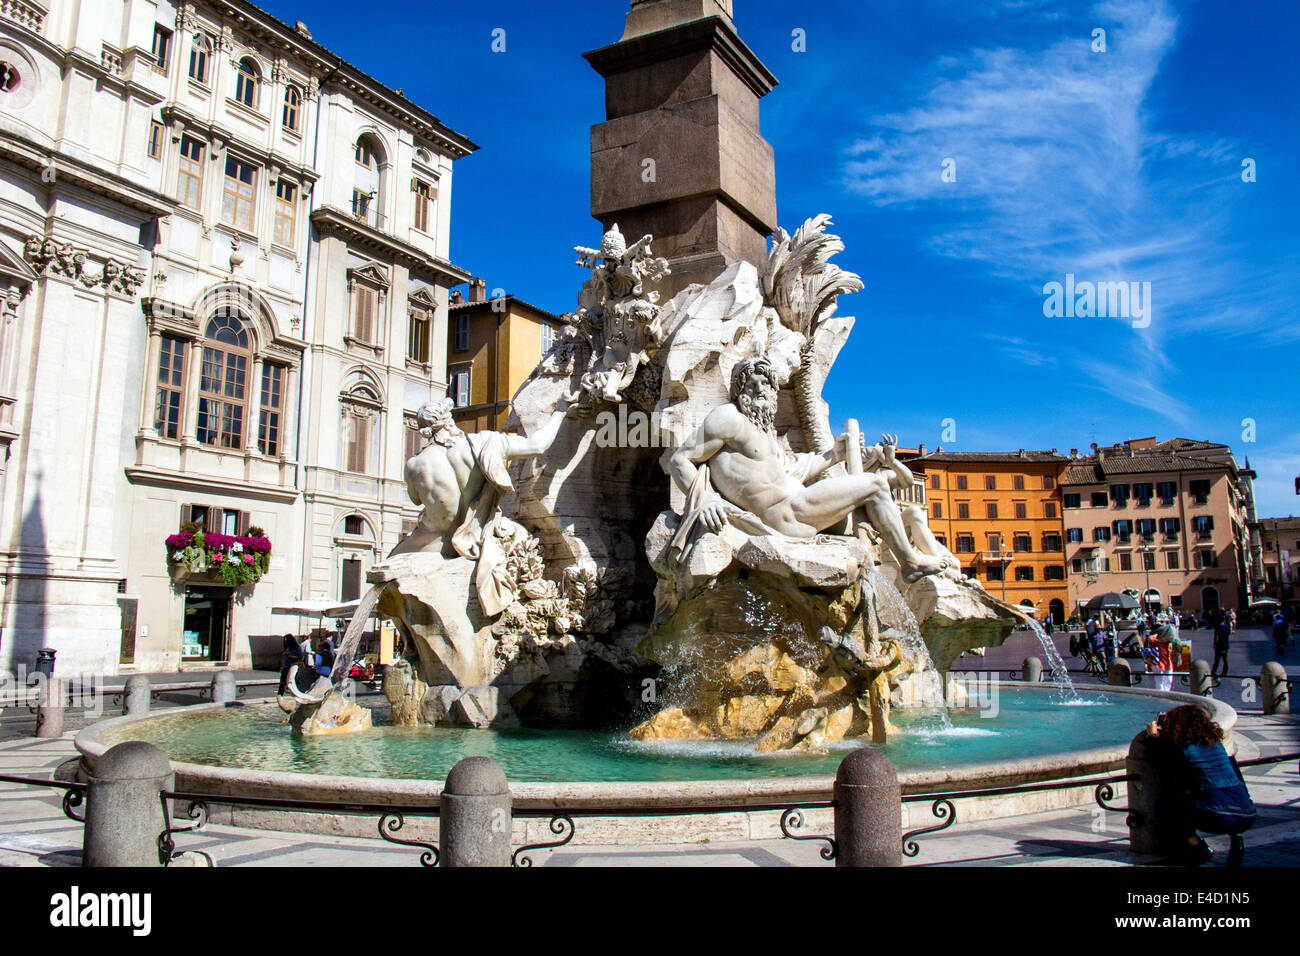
(248, 559)
(216, 557)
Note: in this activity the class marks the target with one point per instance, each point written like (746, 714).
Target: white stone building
(224, 267)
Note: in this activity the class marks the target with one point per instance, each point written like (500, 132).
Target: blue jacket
(1214, 781)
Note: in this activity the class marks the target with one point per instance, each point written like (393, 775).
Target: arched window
(292, 99)
(360, 406)
(246, 83)
(366, 198)
(223, 383)
(199, 53)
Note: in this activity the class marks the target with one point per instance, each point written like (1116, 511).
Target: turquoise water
(1027, 723)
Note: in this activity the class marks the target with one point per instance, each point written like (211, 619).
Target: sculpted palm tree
(802, 285)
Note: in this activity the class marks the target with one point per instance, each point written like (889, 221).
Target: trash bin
(45, 661)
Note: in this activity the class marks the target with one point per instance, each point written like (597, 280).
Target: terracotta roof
(1091, 471)
(1036, 457)
(509, 298)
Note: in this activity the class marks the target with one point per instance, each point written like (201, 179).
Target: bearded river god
(734, 470)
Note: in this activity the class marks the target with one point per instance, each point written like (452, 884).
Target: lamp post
(1002, 560)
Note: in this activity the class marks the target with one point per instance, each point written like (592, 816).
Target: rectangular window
(993, 572)
(991, 510)
(162, 48)
(1146, 527)
(422, 214)
(1203, 525)
(460, 388)
(1200, 490)
(361, 205)
(1022, 542)
(1073, 501)
(1206, 558)
(1074, 535)
(156, 136)
(189, 185)
(237, 198)
(1024, 574)
(936, 509)
(961, 482)
(221, 398)
(1099, 499)
(1125, 561)
(1048, 482)
(363, 312)
(1119, 495)
(268, 429)
(934, 482)
(1170, 527)
(990, 482)
(1148, 560)
(965, 544)
(1101, 534)
(462, 333)
(199, 62)
(995, 541)
(1176, 600)
(1077, 565)
(1051, 542)
(285, 211)
(1123, 529)
(357, 441)
(963, 509)
(548, 337)
(412, 440)
(1144, 491)
(1022, 510)
(171, 387)
(417, 339)
(1167, 491)
(1018, 482)
(1049, 509)
(1054, 572)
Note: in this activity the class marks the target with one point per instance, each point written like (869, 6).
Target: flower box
(235, 560)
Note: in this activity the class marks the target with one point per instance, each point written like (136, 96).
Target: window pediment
(422, 301)
(372, 274)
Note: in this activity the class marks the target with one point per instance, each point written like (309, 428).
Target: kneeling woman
(1210, 793)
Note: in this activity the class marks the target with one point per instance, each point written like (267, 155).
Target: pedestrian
(325, 657)
(1280, 630)
(1209, 793)
(1222, 631)
(290, 654)
(1163, 644)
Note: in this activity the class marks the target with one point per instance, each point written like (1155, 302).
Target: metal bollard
(1119, 673)
(1272, 683)
(224, 688)
(868, 811)
(475, 815)
(124, 813)
(136, 694)
(49, 708)
(1201, 681)
(1031, 671)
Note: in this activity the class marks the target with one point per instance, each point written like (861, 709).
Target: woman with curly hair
(1210, 794)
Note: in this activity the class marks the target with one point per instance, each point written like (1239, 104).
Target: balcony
(996, 557)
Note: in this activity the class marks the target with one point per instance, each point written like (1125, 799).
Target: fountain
(668, 579)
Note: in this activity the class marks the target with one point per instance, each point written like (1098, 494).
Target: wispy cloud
(1060, 167)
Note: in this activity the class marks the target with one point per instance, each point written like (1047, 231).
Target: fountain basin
(796, 778)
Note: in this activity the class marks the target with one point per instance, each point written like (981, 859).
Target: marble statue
(458, 480)
(734, 470)
(622, 325)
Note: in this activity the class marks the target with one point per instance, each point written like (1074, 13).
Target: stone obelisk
(680, 155)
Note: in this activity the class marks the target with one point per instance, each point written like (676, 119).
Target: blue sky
(1122, 165)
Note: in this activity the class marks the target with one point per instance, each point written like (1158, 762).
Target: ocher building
(1000, 514)
(493, 345)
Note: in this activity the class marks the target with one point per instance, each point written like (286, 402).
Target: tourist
(325, 657)
(290, 655)
(1164, 641)
(1209, 792)
(1280, 630)
(1222, 630)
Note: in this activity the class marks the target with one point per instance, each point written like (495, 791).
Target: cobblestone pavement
(34, 831)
